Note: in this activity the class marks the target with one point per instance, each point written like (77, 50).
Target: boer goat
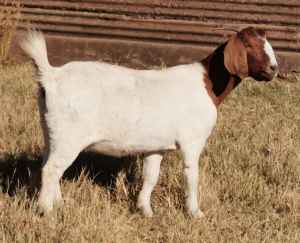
(119, 111)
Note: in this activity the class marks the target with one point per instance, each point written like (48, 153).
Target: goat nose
(274, 67)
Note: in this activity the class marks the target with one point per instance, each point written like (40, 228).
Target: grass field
(249, 186)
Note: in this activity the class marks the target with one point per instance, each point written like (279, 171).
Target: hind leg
(150, 175)
(57, 190)
(58, 161)
(35, 176)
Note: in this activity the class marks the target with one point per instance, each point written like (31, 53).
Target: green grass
(249, 185)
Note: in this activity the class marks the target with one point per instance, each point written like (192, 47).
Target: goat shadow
(17, 171)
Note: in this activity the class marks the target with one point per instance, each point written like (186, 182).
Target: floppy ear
(235, 57)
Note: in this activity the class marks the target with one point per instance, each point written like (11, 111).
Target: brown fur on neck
(219, 82)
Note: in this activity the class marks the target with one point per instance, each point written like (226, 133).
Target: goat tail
(33, 43)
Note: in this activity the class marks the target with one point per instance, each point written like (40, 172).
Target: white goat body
(119, 111)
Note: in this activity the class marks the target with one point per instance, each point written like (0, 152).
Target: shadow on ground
(21, 170)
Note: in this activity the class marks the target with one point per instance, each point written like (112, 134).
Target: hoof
(196, 214)
(43, 210)
(199, 214)
(40, 211)
(146, 211)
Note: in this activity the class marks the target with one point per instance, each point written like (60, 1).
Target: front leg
(191, 173)
(150, 175)
(190, 158)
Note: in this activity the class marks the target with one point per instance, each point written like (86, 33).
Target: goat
(119, 111)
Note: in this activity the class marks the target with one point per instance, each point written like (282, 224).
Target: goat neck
(219, 82)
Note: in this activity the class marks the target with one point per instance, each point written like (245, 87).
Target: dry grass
(249, 176)
(10, 16)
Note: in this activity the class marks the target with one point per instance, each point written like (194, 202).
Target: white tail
(35, 47)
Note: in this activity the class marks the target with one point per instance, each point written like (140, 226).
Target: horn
(235, 28)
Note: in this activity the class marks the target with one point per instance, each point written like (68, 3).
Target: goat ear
(235, 57)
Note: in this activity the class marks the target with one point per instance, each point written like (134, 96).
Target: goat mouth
(268, 76)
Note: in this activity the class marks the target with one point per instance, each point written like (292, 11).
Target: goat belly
(109, 148)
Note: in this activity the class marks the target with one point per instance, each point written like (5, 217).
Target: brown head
(246, 54)
(249, 53)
